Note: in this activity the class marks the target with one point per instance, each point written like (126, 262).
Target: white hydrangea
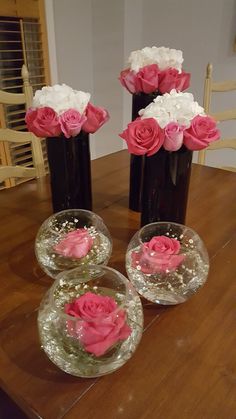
(163, 57)
(61, 98)
(173, 107)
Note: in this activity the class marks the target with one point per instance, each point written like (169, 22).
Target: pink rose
(101, 324)
(201, 133)
(174, 134)
(160, 254)
(183, 81)
(43, 122)
(143, 136)
(147, 79)
(96, 117)
(75, 244)
(71, 122)
(128, 79)
(171, 79)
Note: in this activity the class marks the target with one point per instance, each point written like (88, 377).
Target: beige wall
(205, 30)
(89, 38)
(94, 37)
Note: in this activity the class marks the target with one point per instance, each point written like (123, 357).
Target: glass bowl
(167, 262)
(72, 238)
(90, 321)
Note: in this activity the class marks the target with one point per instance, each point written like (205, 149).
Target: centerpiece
(166, 134)
(167, 262)
(90, 321)
(151, 72)
(72, 238)
(66, 117)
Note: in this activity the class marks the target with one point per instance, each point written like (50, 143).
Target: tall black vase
(70, 172)
(139, 101)
(165, 186)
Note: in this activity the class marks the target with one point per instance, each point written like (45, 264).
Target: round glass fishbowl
(72, 238)
(90, 321)
(167, 262)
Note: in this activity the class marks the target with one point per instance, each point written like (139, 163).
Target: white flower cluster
(61, 98)
(173, 107)
(163, 57)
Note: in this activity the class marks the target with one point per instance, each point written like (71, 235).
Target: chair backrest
(14, 136)
(211, 86)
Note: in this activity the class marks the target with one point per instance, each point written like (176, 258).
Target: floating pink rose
(71, 122)
(159, 255)
(147, 79)
(101, 324)
(143, 136)
(128, 79)
(75, 244)
(171, 79)
(43, 122)
(96, 117)
(174, 134)
(201, 133)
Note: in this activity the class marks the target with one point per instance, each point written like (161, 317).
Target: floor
(8, 409)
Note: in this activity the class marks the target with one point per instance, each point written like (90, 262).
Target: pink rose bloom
(43, 122)
(174, 134)
(171, 79)
(183, 81)
(75, 244)
(96, 117)
(101, 324)
(128, 79)
(159, 255)
(201, 133)
(71, 122)
(147, 79)
(143, 136)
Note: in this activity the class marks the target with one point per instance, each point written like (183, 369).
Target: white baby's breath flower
(163, 57)
(173, 107)
(61, 98)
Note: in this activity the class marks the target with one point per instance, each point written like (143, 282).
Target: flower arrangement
(99, 323)
(72, 238)
(167, 262)
(170, 121)
(90, 321)
(155, 69)
(59, 110)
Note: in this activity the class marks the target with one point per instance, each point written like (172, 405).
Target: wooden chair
(14, 136)
(227, 115)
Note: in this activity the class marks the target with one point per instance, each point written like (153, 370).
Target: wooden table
(185, 365)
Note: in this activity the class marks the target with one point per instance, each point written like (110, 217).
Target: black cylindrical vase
(166, 179)
(70, 172)
(139, 101)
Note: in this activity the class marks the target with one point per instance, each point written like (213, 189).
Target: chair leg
(201, 157)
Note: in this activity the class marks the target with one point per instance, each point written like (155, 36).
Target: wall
(205, 30)
(89, 47)
(94, 38)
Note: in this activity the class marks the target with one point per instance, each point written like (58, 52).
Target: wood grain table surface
(185, 365)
